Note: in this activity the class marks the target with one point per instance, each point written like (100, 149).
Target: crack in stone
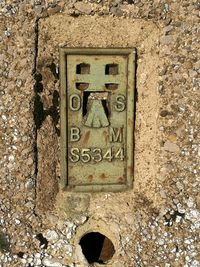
(36, 33)
(39, 113)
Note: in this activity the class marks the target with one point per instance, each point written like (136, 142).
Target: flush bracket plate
(97, 118)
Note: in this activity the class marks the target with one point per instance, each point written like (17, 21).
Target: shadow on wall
(4, 244)
(39, 113)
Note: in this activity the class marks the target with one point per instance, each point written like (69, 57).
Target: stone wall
(157, 222)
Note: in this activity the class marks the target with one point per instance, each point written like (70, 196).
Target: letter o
(74, 102)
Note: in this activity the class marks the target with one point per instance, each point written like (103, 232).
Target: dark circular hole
(96, 247)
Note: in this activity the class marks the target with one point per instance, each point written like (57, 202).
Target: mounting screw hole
(96, 247)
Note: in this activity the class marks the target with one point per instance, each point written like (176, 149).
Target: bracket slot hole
(112, 69)
(83, 68)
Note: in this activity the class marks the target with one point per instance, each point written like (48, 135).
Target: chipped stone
(83, 7)
(51, 263)
(171, 147)
(166, 40)
(51, 235)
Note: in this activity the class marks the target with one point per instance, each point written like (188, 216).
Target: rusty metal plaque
(97, 118)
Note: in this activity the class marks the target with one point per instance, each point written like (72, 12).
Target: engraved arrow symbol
(96, 116)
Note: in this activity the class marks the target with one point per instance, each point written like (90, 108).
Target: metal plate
(97, 118)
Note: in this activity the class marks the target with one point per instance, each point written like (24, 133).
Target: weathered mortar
(155, 224)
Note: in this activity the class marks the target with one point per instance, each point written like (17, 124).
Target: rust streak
(121, 179)
(107, 250)
(82, 86)
(105, 134)
(90, 178)
(103, 176)
(130, 168)
(129, 122)
(72, 178)
(86, 137)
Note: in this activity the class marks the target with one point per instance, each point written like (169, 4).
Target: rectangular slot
(112, 69)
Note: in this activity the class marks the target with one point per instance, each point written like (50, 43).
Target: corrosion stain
(90, 178)
(82, 86)
(86, 137)
(107, 250)
(105, 134)
(72, 178)
(103, 176)
(121, 180)
(129, 122)
(130, 168)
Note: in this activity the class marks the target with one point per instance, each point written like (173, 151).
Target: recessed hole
(105, 106)
(83, 68)
(43, 240)
(111, 69)
(111, 86)
(82, 86)
(96, 247)
(20, 254)
(85, 102)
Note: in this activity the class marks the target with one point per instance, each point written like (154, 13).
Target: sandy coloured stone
(29, 41)
(29, 161)
(83, 7)
(171, 147)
